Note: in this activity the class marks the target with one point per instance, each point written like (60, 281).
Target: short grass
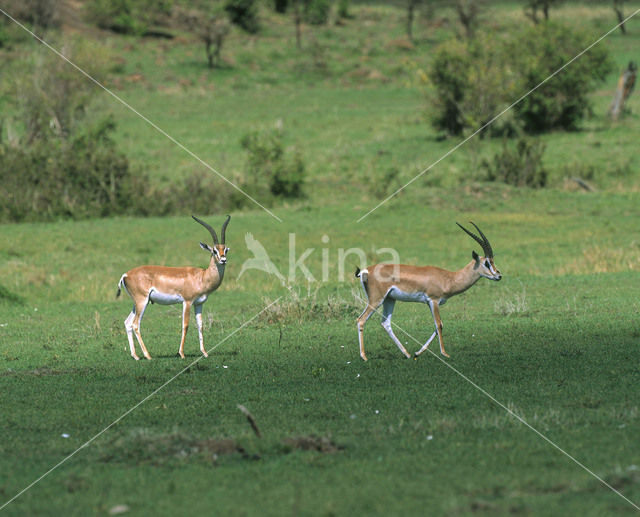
(554, 343)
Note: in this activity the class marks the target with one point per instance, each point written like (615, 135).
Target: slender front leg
(387, 311)
(186, 309)
(435, 310)
(198, 309)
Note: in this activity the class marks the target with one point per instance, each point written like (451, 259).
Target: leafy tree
(532, 7)
(209, 23)
(468, 12)
(244, 14)
(618, 7)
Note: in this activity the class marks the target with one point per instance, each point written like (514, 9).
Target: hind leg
(198, 310)
(387, 311)
(135, 326)
(128, 325)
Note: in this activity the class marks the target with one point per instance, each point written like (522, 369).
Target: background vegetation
(320, 110)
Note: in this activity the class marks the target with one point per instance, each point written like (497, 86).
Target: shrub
(128, 16)
(563, 101)
(84, 176)
(244, 14)
(471, 84)
(519, 165)
(269, 170)
(474, 80)
(280, 6)
(317, 11)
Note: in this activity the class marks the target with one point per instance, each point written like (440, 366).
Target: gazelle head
(219, 250)
(484, 265)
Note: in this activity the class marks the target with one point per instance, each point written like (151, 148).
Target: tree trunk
(298, 21)
(410, 16)
(617, 7)
(623, 91)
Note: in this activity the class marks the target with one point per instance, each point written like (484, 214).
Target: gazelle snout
(220, 252)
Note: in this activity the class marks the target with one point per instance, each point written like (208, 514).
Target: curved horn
(211, 230)
(224, 229)
(484, 242)
(488, 251)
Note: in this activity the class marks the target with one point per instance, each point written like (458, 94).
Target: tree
(532, 6)
(244, 14)
(468, 12)
(618, 8)
(411, 8)
(626, 83)
(210, 25)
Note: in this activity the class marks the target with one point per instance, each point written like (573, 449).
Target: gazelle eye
(486, 264)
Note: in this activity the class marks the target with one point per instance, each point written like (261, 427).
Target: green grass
(556, 347)
(555, 341)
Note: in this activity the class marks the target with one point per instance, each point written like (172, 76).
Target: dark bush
(269, 170)
(317, 11)
(128, 16)
(84, 176)
(475, 80)
(244, 14)
(563, 101)
(519, 165)
(280, 6)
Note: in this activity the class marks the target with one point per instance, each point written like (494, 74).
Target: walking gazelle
(384, 284)
(190, 286)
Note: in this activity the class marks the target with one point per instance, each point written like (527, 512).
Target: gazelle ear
(475, 257)
(206, 247)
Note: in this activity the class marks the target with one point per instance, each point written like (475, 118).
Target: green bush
(563, 101)
(471, 84)
(519, 165)
(317, 11)
(244, 14)
(84, 176)
(128, 16)
(280, 6)
(269, 171)
(475, 80)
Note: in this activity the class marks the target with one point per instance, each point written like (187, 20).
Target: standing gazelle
(190, 286)
(386, 283)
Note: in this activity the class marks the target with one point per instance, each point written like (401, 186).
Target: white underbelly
(400, 295)
(169, 299)
(163, 298)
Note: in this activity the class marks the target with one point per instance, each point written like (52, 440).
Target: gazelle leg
(435, 310)
(366, 314)
(128, 325)
(135, 325)
(424, 347)
(186, 309)
(198, 309)
(387, 311)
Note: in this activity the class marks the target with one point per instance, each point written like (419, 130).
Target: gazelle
(190, 286)
(384, 284)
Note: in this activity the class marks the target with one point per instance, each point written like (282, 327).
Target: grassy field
(554, 344)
